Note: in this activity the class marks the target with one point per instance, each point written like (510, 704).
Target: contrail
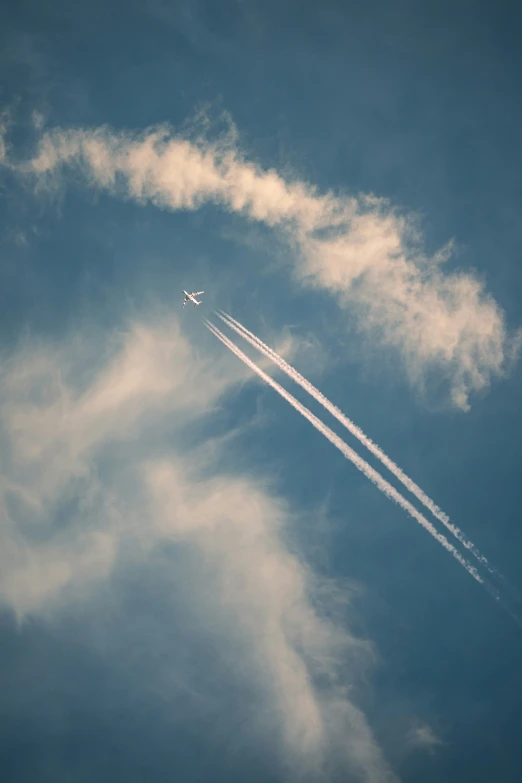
(358, 461)
(356, 431)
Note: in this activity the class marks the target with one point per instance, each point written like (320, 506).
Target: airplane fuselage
(192, 297)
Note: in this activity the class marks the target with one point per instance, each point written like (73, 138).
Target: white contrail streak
(356, 431)
(350, 454)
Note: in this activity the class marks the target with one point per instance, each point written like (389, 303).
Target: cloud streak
(362, 250)
(361, 464)
(356, 431)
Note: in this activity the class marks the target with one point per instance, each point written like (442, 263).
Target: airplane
(192, 298)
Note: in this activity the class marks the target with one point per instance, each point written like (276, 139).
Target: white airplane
(192, 298)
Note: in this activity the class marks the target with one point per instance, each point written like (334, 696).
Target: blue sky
(195, 583)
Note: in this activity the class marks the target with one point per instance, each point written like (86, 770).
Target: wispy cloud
(54, 418)
(4, 122)
(91, 471)
(423, 738)
(362, 249)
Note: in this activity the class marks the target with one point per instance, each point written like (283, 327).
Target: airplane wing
(198, 293)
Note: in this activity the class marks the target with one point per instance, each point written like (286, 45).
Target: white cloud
(423, 738)
(3, 132)
(38, 119)
(360, 249)
(89, 469)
